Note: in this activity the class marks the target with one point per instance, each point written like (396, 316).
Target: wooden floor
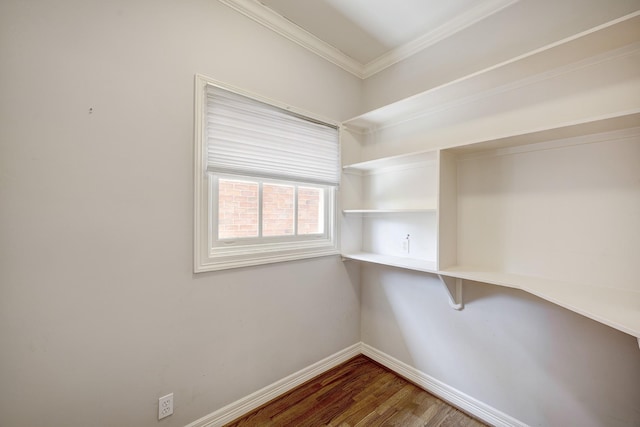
(357, 393)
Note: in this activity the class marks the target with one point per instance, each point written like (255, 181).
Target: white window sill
(228, 262)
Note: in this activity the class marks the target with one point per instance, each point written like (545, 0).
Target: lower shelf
(394, 261)
(617, 308)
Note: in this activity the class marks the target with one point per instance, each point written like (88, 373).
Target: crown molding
(476, 14)
(275, 22)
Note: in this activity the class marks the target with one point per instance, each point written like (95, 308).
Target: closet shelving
(590, 46)
(617, 305)
(552, 211)
(393, 207)
(617, 308)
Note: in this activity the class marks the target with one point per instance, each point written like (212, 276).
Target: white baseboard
(439, 389)
(443, 391)
(247, 404)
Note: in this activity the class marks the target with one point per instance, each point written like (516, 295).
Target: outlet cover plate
(165, 406)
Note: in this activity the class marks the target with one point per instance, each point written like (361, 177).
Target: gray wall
(100, 313)
(533, 360)
(537, 362)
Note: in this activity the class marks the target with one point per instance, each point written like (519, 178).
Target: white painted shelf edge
(412, 106)
(387, 211)
(617, 308)
(394, 261)
(621, 120)
(419, 157)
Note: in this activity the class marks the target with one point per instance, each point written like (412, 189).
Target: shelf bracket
(638, 342)
(453, 286)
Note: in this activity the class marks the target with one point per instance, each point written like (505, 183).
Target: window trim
(209, 258)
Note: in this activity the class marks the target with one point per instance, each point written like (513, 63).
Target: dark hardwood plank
(357, 393)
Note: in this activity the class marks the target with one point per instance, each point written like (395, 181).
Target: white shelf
(387, 211)
(621, 120)
(595, 125)
(588, 44)
(394, 161)
(394, 261)
(617, 308)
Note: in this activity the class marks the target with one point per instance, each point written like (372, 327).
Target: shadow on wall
(504, 340)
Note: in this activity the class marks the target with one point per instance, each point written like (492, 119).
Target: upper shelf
(592, 43)
(394, 161)
(616, 122)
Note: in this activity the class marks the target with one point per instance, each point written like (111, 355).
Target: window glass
(237, 209)
(310, 210)
(278, 209)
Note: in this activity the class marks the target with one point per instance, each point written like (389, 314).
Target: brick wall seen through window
(238, 213)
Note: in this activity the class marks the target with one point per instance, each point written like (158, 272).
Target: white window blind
(248, 137)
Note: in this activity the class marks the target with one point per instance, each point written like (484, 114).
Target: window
(266, 178)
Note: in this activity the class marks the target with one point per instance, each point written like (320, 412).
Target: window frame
(210, 254)
(216, 242)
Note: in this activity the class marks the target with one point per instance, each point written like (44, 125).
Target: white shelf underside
(394, 261)
(422, 157)
(589, 44)
(594, 125)
(617, 308)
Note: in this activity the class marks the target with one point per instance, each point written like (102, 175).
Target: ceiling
(366, 29)
(366, 36)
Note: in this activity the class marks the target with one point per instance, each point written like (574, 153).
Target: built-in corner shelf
(453, 288)
(521, 198)
(617, 308)
(575, 51)
(591, 126)
(394, 261)
(398, 161)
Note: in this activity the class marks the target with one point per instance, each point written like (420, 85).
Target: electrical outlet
(165, 406)
(405, 245)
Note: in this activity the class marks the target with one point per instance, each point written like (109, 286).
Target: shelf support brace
(453, 286)
(639, 342)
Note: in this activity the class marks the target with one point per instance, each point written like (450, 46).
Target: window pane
(237, 209)
(310, 210)
(277, 210)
